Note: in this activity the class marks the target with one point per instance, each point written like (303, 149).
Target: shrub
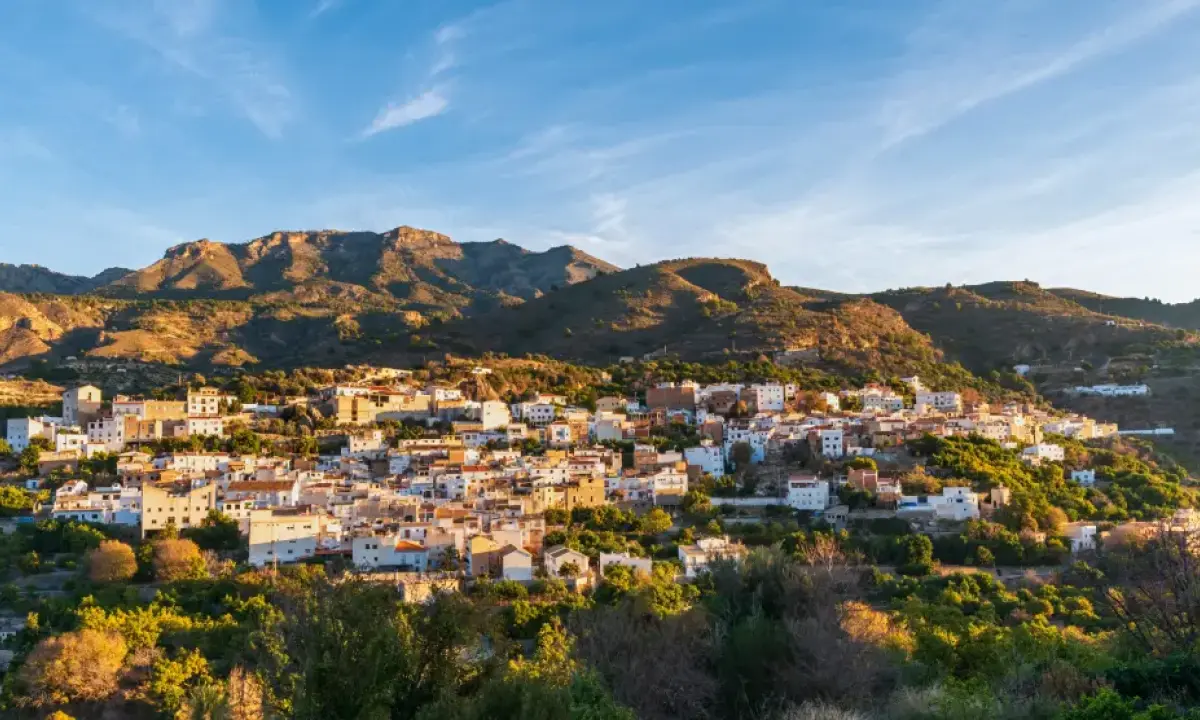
(75, 666)
(113, 561)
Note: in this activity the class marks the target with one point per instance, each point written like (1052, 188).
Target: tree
(918, 555)
(112, 562)
(217, 532)
(862, 463)
(244, 695)
(741, 454)
(656, 522)
(5, 448)
(177, 559)
(568, 570)
(984, 557)
(14, 501)
(697, 502)
(557, 516)
(75, 666)
(415, 654)
(172, 679)
(29, 459)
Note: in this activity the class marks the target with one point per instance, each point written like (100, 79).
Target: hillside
(37, 279)
(697, 309)
(1180, 315)
(414, 269)
(999, 324)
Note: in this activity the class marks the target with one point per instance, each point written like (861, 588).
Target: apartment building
(180, 504)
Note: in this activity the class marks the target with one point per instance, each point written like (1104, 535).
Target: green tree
(171, 680)
(656, 522)
(14, 501)
(984, 557)
(862, 463)
(217, 532)
(29, 459)
(918, 555)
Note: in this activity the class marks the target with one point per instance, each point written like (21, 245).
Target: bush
(76, 666)
(112, 562)
(177, 559)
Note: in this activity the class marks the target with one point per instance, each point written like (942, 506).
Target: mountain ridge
(319, 296)
(39, 279)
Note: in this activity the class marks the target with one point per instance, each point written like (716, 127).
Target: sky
(851, 145)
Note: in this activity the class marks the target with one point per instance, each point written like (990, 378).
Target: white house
(22, 430)
(834, 403)
(667, 486)
(955, 503)
(206, 401)
(939, 401)
(109, 432)
(535, 413)
(696, 558)
(282, 536)
(708, 458)
(559, 556)
(388, 551)
(206, 426)
(494, 415)
(64, 441)
(832, 442)
(638, 565)
(808, 494)
(1043, 452)
(756, 438)
(1113, 390)
(882, 402)
(769, 397)
(516, 564)
(109, 505)
(1082, 536)
(1087, 478)
(367, 446)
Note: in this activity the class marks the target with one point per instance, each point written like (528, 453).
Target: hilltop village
(425, 480)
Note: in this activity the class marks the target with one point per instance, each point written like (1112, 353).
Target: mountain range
(318, 297)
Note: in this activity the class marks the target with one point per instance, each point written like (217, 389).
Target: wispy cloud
(124, 120)
(948, 82)
(189, 34)
(430, 103)
(322, 7)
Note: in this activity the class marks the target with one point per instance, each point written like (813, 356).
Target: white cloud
(429, 103)
(426, 105)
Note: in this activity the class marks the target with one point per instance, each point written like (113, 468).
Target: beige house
(180, 505)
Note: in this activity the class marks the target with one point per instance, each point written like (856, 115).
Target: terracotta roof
(409, 546)
(260, 486)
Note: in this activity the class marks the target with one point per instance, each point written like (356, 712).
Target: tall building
(81, 405)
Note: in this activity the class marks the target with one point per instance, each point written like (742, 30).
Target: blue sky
(850, 144)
